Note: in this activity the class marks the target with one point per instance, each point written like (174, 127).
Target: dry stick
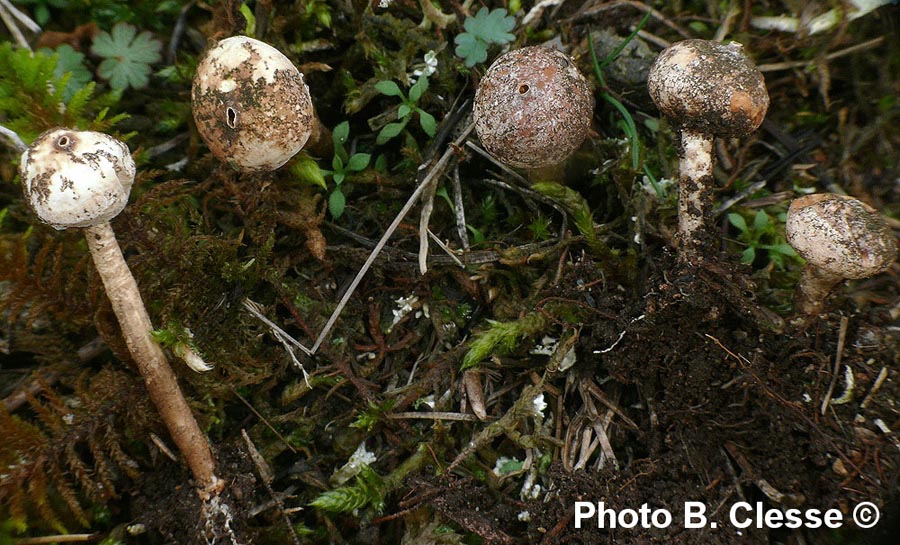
(842, 336)
(459, 210)
(13, 138)
(125, 298)
(68, 538)
(870, 44)
(9, 13)
(438, 167)
(879, 381)
(424, 218)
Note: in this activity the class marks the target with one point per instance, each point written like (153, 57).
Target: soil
(690, 383)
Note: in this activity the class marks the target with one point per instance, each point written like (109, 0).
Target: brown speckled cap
(840, 235)
(533, 108)
(76, 178)
(251, 105)
(709, 87)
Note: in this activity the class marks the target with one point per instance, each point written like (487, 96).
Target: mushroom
(840, 238)
(533, 108)
(83, 179)
(251, 105)
(706, 89)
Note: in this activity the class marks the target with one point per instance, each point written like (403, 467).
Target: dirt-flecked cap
(840, 235)
(709, 87)
(533, 108)
(76, 178)
(251, 105)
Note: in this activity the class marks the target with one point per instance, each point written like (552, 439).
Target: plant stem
(813, 290)
(694, 188)
(134, 321)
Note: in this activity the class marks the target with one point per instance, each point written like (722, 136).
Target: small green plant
(127, 56)
(42, 8)
(342, 164)
(69, 61)
(35, 96)
(408, 107)
(485, 28)
(763, 234)
(368, 490)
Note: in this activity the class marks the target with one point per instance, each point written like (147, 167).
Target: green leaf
(250, 29)
(426, 120)
(69, 61)
(748, 256)
(389, 88)
(491, 26)
(358, 162)
(403, 111)
(738, 222)
(390, 131)
(340, 134)
(470, 49)
(338, 177)
(336, 203)
(417, 90)
(337, 164)
(761, 221)
(306, 170)
(127, 56)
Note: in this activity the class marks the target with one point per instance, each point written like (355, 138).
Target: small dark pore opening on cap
(231, 117)
(523, 88)
(63, 142)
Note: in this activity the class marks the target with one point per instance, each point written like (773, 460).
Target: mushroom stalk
(812, 290)
(134, 321)
(694, 188)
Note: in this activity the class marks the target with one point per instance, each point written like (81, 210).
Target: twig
(436, 415)
(424, 218)
(9, 13)
(13, 138)
(263, 420)
(265, 473)
(870, 44)
(882, 376)
(438, 167)
(253, 308)
(842, 337)
(459, 210)
(67, 538)
(446, 249)
(177, 32)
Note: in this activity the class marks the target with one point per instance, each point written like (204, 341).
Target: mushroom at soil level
(706, 89)
(533, 108)
(840, 238)
(83, 179)
(251, 105)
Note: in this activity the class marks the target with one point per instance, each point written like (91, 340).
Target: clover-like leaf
(470, 49)
(127, 56)
(492, 26)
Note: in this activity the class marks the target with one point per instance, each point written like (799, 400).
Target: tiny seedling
(342, 164)
(763, 234)
(127, 56)
(485, 28)
(409, 106)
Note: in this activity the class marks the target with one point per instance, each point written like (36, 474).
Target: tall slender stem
(134, 321)
(694, 189)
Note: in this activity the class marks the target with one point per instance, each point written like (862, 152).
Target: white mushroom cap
(841, 236)
(76, 178)
(251, 105)
(533, 108)
(709, 87)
